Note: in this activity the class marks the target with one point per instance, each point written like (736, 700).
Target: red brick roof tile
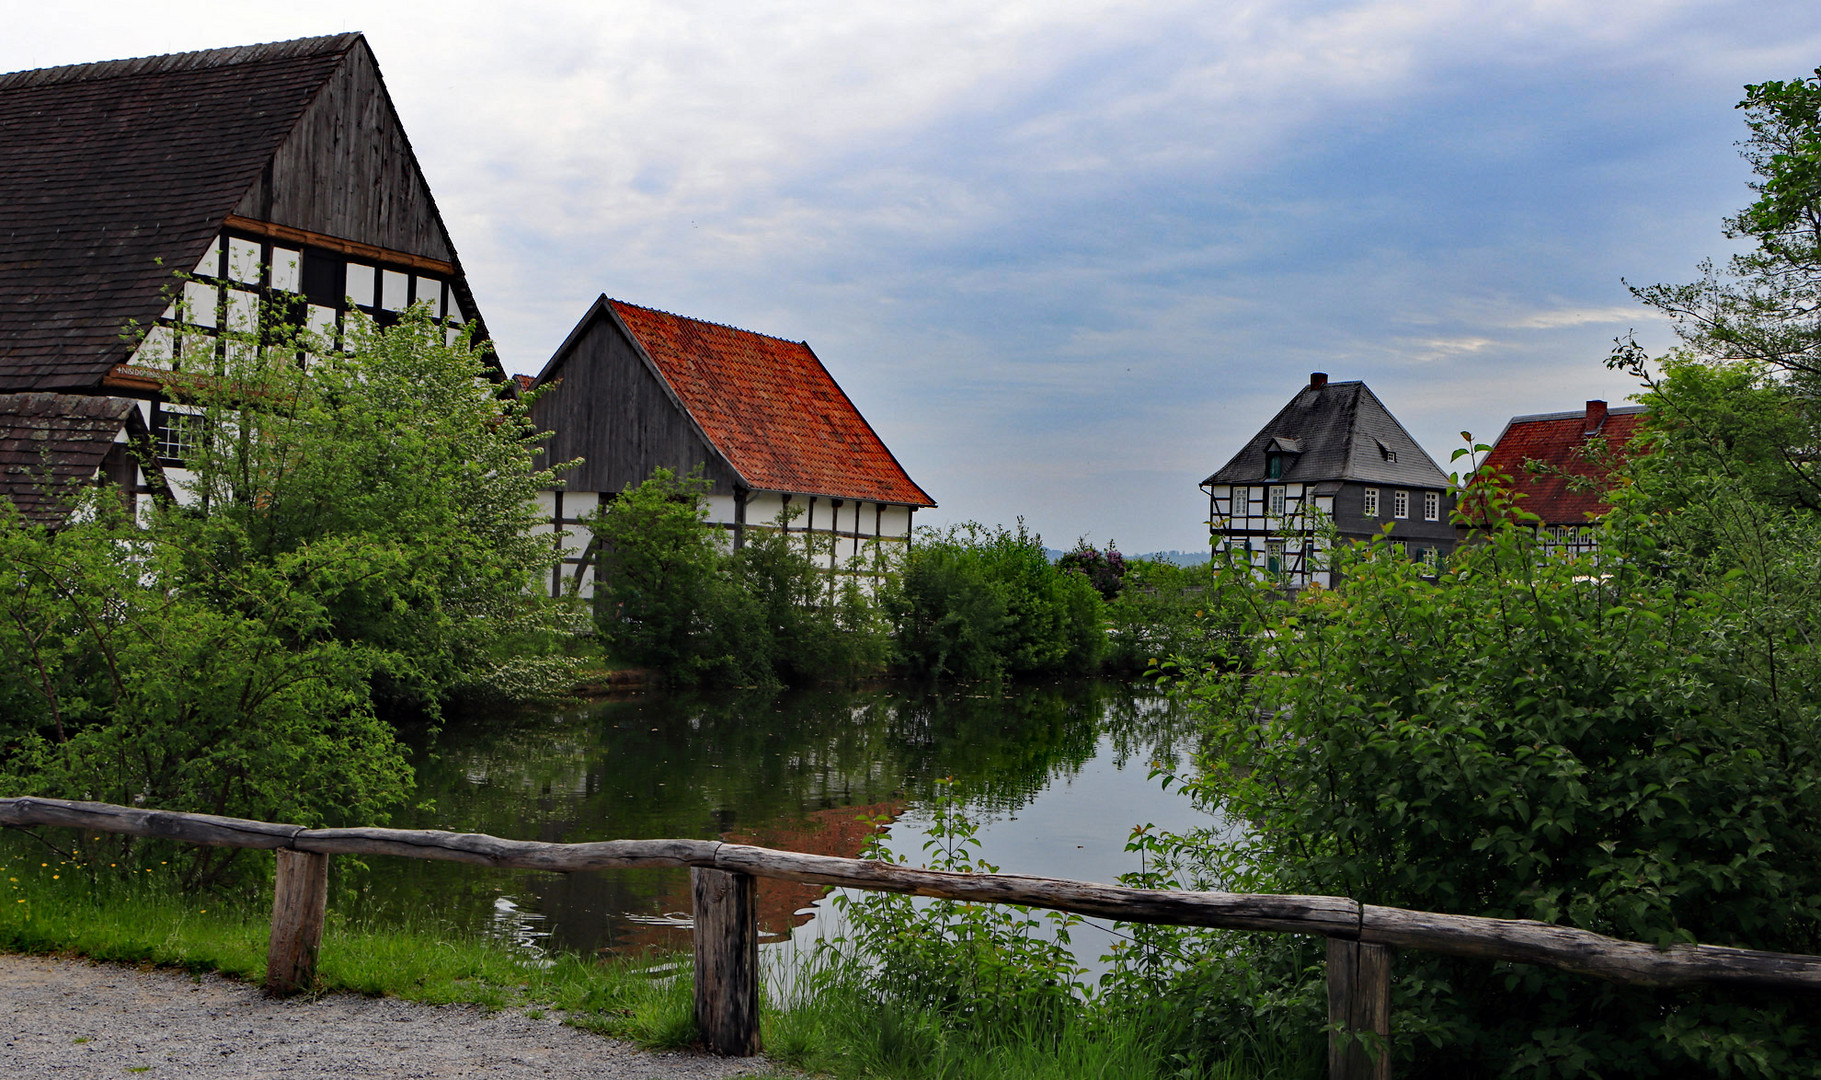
(1542, 453)
(771, 407)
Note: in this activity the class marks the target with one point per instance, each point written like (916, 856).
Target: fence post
(300, 898)
(727, 960)
(1359, 1000)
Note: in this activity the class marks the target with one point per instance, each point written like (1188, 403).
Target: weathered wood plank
(106, 817)
(300, 899)
(1326, 915)
(727, 960)
(1626, 962)
(1631, 963)
(1359, 1001)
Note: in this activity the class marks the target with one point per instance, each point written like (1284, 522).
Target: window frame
(1369, 502)
(1400, 504)
(1432, 506)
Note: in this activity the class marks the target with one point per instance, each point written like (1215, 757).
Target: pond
(1056, 774)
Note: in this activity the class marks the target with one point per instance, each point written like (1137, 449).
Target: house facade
(1332, 465)
(634, 389)
(1559, 466)
(275, 175)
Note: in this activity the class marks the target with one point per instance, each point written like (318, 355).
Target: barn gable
(285, 156)
(605, 403)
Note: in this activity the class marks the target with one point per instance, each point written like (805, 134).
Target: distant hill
(1180, 558)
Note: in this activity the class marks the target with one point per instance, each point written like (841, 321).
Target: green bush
(979, 603)
(1603, 743)
(670, 595)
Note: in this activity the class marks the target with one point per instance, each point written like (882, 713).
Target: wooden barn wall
(611, 411)
(347, 170)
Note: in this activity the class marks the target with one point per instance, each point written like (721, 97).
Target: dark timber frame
(1360, 936)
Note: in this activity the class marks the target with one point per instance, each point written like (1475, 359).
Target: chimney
(1317, 380)
(1596, 416)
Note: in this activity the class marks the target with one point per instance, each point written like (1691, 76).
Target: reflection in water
(798, 772)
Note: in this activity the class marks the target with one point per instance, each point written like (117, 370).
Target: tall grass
(824, 1020)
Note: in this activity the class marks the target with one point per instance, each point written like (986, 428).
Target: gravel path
(71, 1018)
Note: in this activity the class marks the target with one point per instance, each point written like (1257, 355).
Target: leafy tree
(400, 472)
(672, 596)
(979, 603)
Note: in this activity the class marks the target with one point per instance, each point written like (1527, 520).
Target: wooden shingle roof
(50, 443)
(770, 408)
(107, 168)
(1335, 431)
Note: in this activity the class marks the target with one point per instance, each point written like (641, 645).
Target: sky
(1068, 257)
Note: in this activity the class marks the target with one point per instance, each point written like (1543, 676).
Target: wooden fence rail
(1361, 936)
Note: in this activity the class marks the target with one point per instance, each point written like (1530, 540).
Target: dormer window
(1274, 466)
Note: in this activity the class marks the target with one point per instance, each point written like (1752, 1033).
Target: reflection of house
(1333, 458)
(1560, 467)
(272, 172)
(634, 389)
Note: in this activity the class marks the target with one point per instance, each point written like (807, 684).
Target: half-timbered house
(1333, 462)
(267, 172)
(1559, 466)
(634, 389)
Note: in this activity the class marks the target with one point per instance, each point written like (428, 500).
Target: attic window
(1274, 465)
(1385, 451)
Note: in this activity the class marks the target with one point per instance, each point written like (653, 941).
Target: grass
(51, 905)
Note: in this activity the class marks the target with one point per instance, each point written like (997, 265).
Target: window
(1274, 556)
(1274, 466)
(1432, 506)
(1431, 558)
(178, 434)
(1400, 504)
(1277, 501)
(1371, 507)
(1400, 549)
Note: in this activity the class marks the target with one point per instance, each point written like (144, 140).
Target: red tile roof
(771, 407)
(1543, 453)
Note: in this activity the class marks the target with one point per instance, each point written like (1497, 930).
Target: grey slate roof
(1343, 430)
(51, 442)
(106, 168)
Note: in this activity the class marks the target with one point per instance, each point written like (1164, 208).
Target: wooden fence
(1360, 936)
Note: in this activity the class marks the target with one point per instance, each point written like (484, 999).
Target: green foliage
(348, 533)
(672, 596)
(979, 603)
(1165, 611)
(404, 478)
(1608, 743)
(1104, 569)
(974, 965)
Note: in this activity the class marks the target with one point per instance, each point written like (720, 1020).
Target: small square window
(287, 269)
(243, 311)
(178, 435)
(199, 302)
(430, 294)
(243, 260)
(360, 284)
(1371, 503)
(1432, 506)
(1400, 504)
(395, 294)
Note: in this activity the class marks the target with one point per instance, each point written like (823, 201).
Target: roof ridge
(1576, 414)
(708, 322)
(182, 61)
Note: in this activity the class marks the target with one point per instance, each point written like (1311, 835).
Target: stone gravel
(64, 1019)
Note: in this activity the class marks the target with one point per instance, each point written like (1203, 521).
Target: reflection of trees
(755, 769)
